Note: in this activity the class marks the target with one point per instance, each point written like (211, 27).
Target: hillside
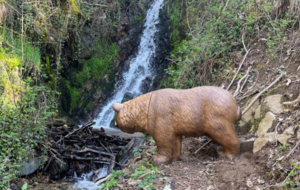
(60, 61)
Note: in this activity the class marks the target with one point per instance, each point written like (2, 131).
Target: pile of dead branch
(86, 145)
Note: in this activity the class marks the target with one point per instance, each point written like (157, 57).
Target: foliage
(25, 108)
(24, 187)
(214, 41)
(100, 64)
(112, 181)
(291, 180)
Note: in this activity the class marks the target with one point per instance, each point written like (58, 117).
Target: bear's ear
(117, 107)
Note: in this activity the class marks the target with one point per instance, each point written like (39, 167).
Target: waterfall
(139, 66)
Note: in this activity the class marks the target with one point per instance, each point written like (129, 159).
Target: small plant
(282, 148)
(290, 181)
(112, 181)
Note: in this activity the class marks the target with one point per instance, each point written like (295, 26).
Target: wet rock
(247, 119)
(31, 165)
(146, 85)
(127, 96)
(273, 103)
(57, 167)
(262, 141)
(80, 168)
(265, 124)
(113, 123)
(288, 133)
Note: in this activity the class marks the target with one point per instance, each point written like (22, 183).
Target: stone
(170, 183)
(265, 124)
(288, 133)
(31, 165)
(146, 85)
(112, 124)
(127, 96)
(298, 71)
(247, 119)
(262, 141)
(257, 112)
(57, 167)
(273, 103)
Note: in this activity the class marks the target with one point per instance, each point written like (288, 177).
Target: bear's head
(122, 118)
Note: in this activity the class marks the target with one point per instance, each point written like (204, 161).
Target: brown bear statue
(169, 114)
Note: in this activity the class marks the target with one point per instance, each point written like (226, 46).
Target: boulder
(31, 165)
(265, 124)
(262, 140)
(273, 103)
(288, 133)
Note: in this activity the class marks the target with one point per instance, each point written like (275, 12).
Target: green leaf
(24, 187)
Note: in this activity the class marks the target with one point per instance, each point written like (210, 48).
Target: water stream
(140, 66)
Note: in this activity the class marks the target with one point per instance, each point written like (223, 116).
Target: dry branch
(77, 130)
(257, 96)
(237, 72)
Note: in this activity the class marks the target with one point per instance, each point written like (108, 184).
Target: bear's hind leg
(177, 147)
(226, 137)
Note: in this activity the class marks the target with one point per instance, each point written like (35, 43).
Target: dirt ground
(205, 171)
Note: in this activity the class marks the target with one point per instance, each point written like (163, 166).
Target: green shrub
(24, 108)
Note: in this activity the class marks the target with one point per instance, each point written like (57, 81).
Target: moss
(89, 104)
(74, 6)
(103, 63)
(75, 94)
(50, 72)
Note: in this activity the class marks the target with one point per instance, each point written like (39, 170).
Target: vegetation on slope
(214, 31)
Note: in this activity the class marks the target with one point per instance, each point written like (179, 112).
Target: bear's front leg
(165, 146)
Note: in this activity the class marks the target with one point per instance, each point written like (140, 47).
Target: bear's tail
(239, 113)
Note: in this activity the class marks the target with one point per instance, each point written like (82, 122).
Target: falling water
(139, 66)
(85, 184)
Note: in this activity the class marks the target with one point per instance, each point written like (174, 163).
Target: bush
(24, 108)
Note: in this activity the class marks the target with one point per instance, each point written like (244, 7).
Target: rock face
(265, 124)
(273, 103)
